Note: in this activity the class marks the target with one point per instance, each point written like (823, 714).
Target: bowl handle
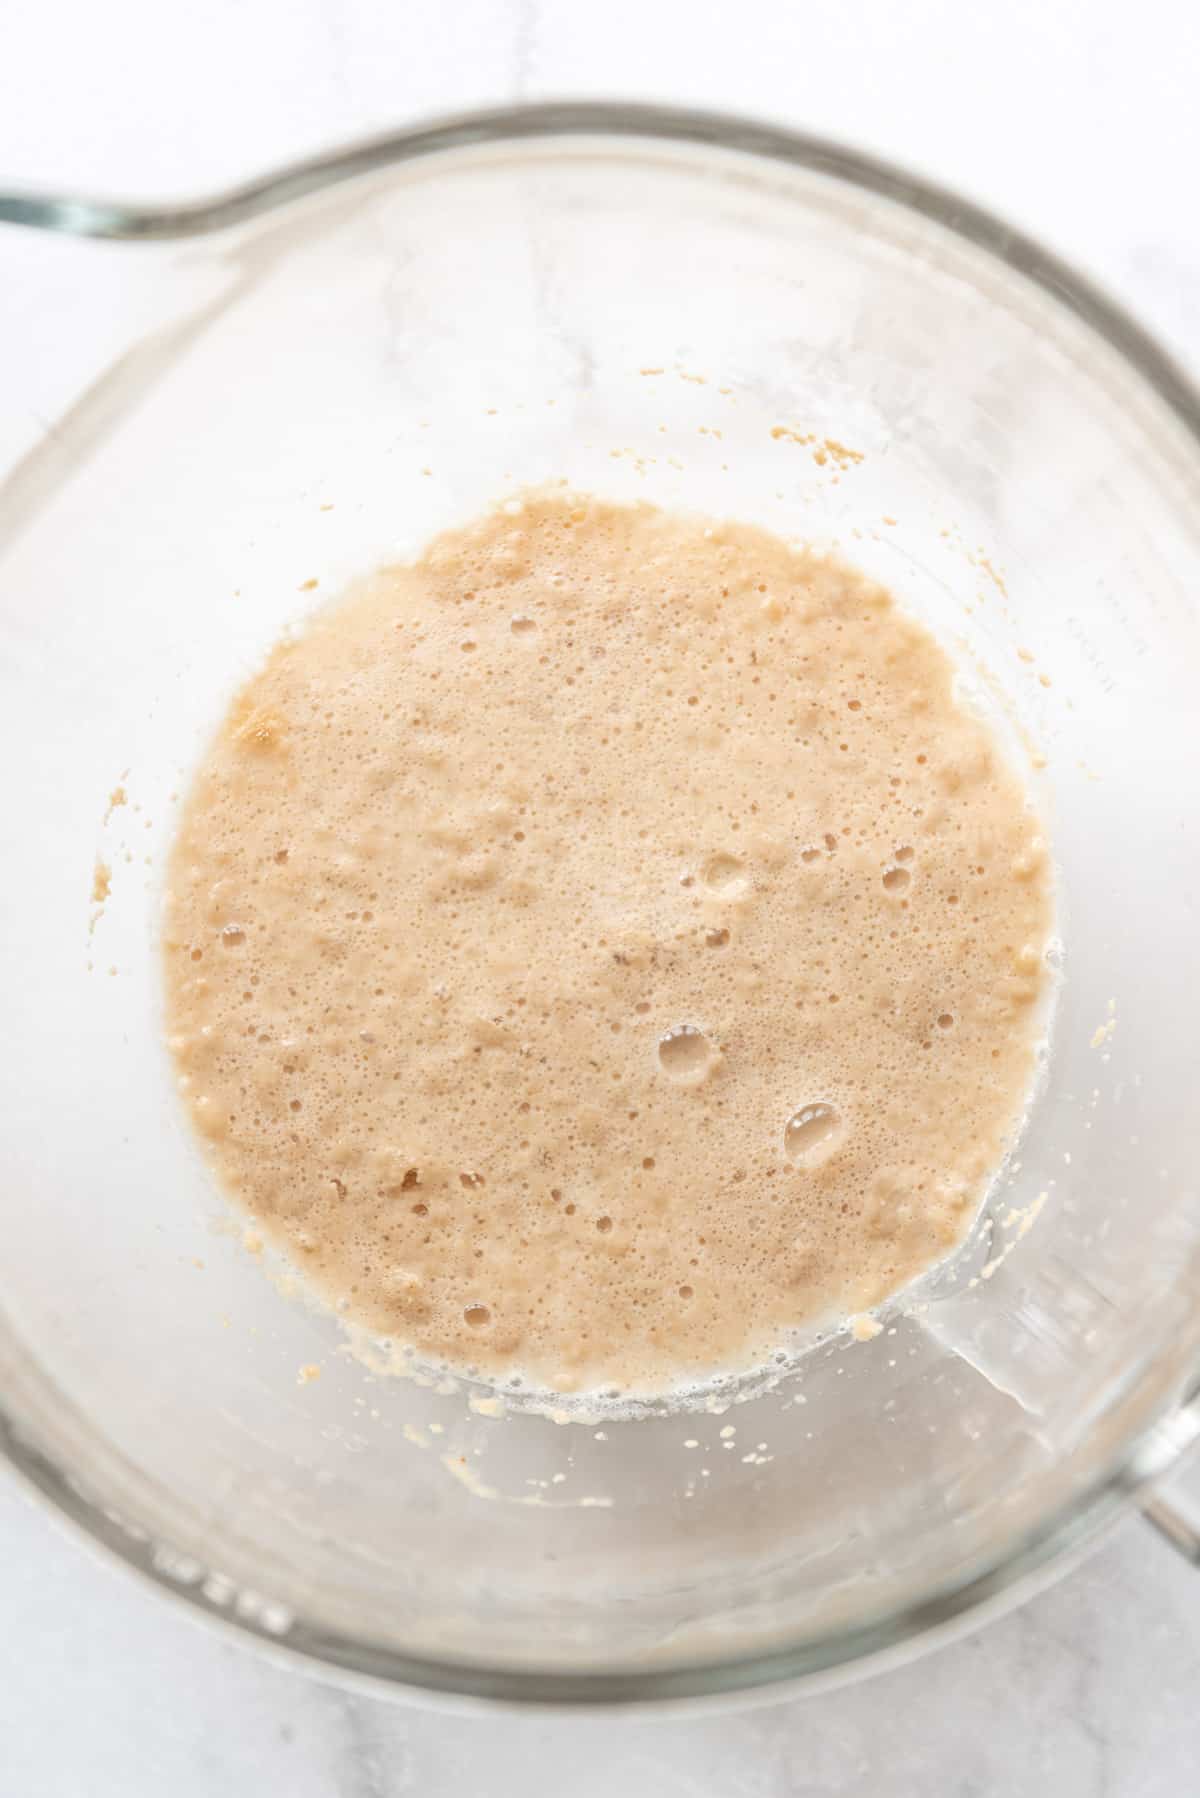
(1176, 1516)
(1178, 1521)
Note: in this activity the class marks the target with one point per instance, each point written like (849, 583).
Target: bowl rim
(1161, 1435)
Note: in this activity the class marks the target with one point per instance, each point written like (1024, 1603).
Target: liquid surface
(605, 947)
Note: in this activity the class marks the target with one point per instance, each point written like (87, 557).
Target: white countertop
(1078, 120)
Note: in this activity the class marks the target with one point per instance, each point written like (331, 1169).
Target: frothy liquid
(605, 946)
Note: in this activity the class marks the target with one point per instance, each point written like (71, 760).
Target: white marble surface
(1077, 118)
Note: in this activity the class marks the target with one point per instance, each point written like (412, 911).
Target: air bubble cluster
(583, 970)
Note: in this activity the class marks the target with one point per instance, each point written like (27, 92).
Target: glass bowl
(315, 374)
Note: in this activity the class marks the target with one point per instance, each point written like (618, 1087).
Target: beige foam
(526, 899)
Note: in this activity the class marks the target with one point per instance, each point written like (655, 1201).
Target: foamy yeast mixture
(606, 945)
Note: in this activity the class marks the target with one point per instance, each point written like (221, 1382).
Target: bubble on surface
(725, 875)
(810, 1130)
(685, 1053)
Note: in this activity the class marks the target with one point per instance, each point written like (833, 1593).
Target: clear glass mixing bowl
(334, 365)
